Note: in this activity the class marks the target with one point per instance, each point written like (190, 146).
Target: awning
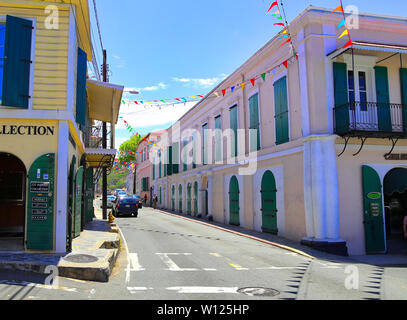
(395, 181)
(104, 100)
(371, 47)
(97, 158)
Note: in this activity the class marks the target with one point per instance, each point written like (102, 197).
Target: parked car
(110, 201)
(126, 206)
(140, 201)
(122, 194)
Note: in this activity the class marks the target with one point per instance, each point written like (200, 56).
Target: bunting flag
(275, 3)
(253, 81)
(341, 24)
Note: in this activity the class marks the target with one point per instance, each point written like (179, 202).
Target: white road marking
(135, 264)
(138, 289)
(238, 267)
(205, 290)
(36, 285)
(209, 269)
(172, 266)
(277, 268)
(128, 256)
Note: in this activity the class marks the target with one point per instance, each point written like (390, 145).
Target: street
(166, 257)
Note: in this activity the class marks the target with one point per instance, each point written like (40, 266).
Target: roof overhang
(100, 158)
(104, 100)
(378, 47)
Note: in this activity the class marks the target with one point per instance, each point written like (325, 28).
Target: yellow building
(49, 145)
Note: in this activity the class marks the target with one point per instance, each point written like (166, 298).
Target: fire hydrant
(111, 218)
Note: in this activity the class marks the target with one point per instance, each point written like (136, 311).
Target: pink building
(144, 166)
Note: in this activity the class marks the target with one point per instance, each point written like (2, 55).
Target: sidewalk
(381, 260)
(93, 255)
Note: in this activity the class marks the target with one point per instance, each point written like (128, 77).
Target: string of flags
(341, 24)
(165, 101)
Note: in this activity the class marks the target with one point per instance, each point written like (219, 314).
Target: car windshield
(111, 197)
(135, 196)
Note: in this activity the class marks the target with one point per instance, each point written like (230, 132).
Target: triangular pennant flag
(285, 36)
(285, 31)
(232, 89)
(253, 81)
(135, 102)
(279, 24)
(343, 33)
(286, 42)
(348, 44)
(341, 24)
(280, 17)
(264, 76)
(275, 3)
(338, 8)
(242, 85)
(276, 13)
(216, 94)
(223, 92)
(285, 63)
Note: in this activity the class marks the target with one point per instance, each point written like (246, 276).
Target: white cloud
(199, 83)
(140, 117)
(159, 86)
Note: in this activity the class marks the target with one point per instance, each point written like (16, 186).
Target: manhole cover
(80, 258)
(259, 292)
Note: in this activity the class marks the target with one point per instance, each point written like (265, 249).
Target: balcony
(371, 119)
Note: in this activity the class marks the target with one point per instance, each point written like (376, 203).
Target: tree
(130, 145)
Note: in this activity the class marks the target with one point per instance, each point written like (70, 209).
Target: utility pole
(104, 142)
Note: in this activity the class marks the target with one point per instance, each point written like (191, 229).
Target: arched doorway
(395, 204)
(173, 198)
(189, 199)
(234, 208)
(195, 198)
(269, 203)
(180, 198)
(13, 176)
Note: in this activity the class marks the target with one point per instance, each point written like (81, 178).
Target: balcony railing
(371, 119)
(93, 137)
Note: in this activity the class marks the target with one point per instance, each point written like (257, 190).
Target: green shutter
(40, 204)
(383, 99)
(175, 158)
(17, 62)
(373, 211)
(195, 198)
(180, 198)
(159, 166)
(169, 161)
(341, 97)
(281, 111)
(205, 143)
(153, 171)
(194, 150)
(78, 202)
(81, 88)
(233, 127)
(234, 202)
(254, 123)
(184, 152)
(403, 81)
(89, 195)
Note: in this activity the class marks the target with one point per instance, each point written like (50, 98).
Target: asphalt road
(169, 258)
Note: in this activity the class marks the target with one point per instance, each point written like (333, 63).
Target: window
(194, 150)
(362, 91)
(233, 127)
(205, 143)
(175, 158)
(358, 90)
(15, 43)
(281, 111)
(254, 123)
(184, 152)
(218, 138)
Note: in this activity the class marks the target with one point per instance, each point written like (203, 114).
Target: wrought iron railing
(93, 137)
(364, 117)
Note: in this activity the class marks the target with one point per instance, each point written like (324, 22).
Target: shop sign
(39, 187)
(27, 130)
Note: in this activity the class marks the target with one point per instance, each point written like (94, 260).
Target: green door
(234, 202)
(40, 204)
(373, 211)
(173, 198)
(89, 196)
(383, 99)
(78, 202)
(403, 81)
(180, 198)
(189, 200)
(269, 203)
(195, 198)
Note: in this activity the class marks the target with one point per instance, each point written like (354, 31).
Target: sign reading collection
(27, 130)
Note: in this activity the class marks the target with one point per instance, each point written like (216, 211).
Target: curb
(241, 234)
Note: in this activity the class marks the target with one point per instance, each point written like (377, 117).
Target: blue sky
(179, 48)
